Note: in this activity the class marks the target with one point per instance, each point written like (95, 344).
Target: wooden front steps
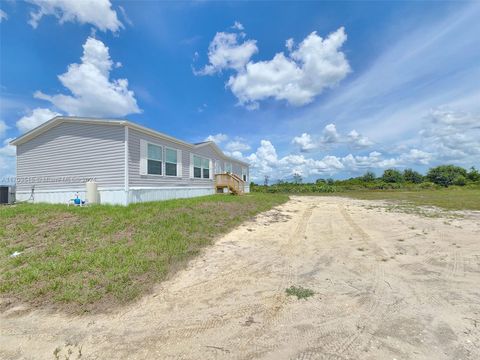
(232, 182)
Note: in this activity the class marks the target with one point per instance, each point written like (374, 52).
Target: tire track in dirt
(275, 306)
(346, 336)
(376, 309)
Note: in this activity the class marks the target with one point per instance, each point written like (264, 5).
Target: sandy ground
(387, 286)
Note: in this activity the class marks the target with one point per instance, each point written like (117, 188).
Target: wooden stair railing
(231, 181)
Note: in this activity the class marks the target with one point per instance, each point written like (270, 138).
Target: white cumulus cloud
(415, 156)
(357, 140)
(373, 160)
(98, 13)
(452, 135)
(93, 93)
(237, 146)
(238, 26)
(296, 77)
(37, 117)
(265, 161)
(305, 142)
(7, 149)
(218, 138)
(330, 134)
(225, 52)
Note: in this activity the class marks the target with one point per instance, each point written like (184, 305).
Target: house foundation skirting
(112, 196)
(115, 196)
(136, 195)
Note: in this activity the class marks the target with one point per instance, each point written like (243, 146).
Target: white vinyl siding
(218, 167)
(184, 163)
(185, 155)
(67, 154)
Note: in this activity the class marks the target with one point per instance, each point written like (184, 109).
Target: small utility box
(7, 194)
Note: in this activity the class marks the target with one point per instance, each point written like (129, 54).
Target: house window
(201, 167)
(170, 162)
(154, 160)
(228, 167)
(244, 174)
(206, 168)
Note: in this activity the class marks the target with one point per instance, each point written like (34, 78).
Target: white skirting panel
(137, 195)
(117, 196)
(246, 188)
(106, 196)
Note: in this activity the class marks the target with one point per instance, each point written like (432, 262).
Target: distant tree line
(436, 177)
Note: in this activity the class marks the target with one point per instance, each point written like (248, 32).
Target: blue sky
(324, 89)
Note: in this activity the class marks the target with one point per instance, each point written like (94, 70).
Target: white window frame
(178, 164)
(244, 173)
(228, 165)
(146, 158)
(192, 167)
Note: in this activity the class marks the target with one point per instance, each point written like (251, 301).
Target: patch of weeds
(56, 353)
(299, 292)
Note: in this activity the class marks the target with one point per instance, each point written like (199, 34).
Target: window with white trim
(171, 161)
(201, 167)
(228, 167)
(154, 159)
(244, 174)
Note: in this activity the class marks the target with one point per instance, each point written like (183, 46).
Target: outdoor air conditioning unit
(7, 194)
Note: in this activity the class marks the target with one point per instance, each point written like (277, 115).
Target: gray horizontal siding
(73, 150)
(137, 180)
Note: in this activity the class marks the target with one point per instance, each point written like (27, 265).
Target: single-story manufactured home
(126, 163)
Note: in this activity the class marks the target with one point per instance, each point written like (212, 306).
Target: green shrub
(473, 174)
(446, 175)
(392, 176)
(412, 176)
(427, 185)
(459, 180)
(368, 177)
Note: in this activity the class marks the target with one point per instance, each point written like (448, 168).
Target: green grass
(299, 292)
(95, 258)
(455, 198)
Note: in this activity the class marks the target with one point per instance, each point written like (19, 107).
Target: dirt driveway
(387, 286)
